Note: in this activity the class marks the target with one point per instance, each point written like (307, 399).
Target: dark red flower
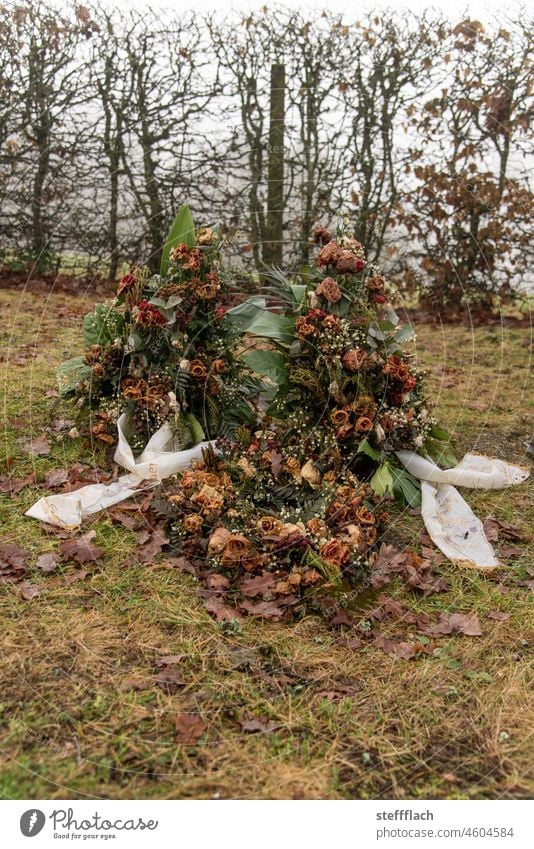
(149, 316)
(126, 283)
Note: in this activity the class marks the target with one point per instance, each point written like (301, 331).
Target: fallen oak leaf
(454, 623)
(265, 609)
(400, 649)
(220, 611)
(81, 549)
(38, 447)
(74, 577)
(258, 585)
(56, 478)
(134, 682)
(169, 660)
(13, 559)
(12, 486)
(258, 725)
(189, 727)
(498, 615)
(47, 562)
(28, 591)
(170, 679)
(153, 546)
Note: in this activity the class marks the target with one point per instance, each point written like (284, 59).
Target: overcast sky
(484, 10)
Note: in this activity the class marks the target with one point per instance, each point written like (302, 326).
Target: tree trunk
(274, 231)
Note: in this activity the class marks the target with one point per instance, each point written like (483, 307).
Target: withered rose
(237, 546)
(149, 316)
(352, 534)
(193, 260)
(344, 431)
(370, 534)
(375, 283)
(292, 467)
(329, 290)
(92, 354)
(343, 493)
(331, 322)
(179, 252)
(354, 359)
(303, 328)
(329, 477)
(133, 390)
(365, 517)
(311, 474)
(208, 498)
(197, 370)
(251, 561)
(335, 552)
(126, 283)
(409, 383)
(317, 527)
(349, 263)
(396, 368)
(205, 236)
(363, 424)
(98, 370)
(207, 291)
(387, 423)
(269, 526)
(218, 366)
(193, 522)
(246, 466)
(322, 236)
(329, 254)
(218, 540)
(339, 417)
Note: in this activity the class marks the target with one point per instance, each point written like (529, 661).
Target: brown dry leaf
(221, 611)
(189, 727)
(38, 447)
(455, 623)
(498, 615)
(13, 560)
(170, 679)
(169, 660)
(81, 549)
(259, 585)
(12, 486)
(341, 617)
(215, 581)
(265, 609)
(121, 517)
(400, 649)
(153, 545)
(47, 562)
(491, 528)
(74, 577)
(338, 692)
(56, 478)
(134, 682)
(180, 563)
(258, 725)
(28, 591)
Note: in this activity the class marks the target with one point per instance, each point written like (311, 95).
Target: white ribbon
(451, 523)
(157, 462)
(449, 520)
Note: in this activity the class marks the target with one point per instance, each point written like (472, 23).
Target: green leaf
(382, 480)
(403, 333)
(70, 373)
(440, 433)
(102, 326)
(181, 232)
(365, 448)
(441, 453)
(406, 486)
(195, 428)
(271, 364)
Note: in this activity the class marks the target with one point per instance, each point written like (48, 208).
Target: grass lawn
(81, 714)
